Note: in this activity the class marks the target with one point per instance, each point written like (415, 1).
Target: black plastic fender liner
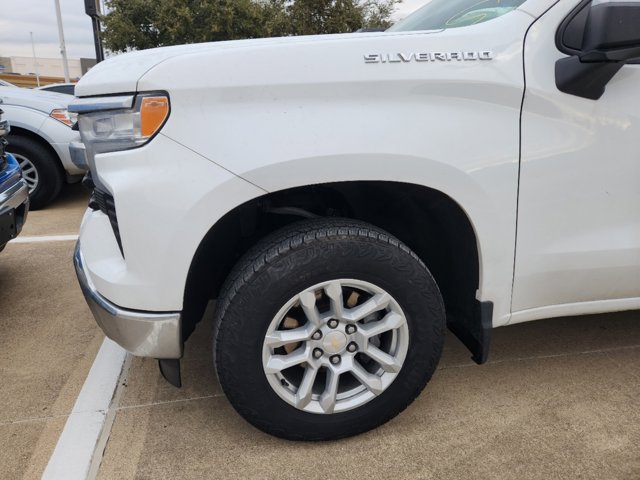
(170, 370)
(475, 332)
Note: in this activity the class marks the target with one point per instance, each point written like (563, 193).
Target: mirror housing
(611, 39)
(612, 33)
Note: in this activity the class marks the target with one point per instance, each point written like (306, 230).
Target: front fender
(488, 200)
(294, 113)
(25, 118)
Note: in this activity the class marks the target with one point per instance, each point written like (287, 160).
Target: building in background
(5, 65)
(49, 67)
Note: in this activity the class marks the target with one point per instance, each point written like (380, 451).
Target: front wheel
(40, 169)
(327, 329)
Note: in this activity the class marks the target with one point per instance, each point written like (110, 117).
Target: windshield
(442, 14)
(6, 84)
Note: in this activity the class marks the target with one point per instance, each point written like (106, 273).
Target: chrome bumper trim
(78, 155)
(144, 334)
(97, 104)
(14, 196)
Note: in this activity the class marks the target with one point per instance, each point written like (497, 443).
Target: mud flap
(170, 370)
(475, 332)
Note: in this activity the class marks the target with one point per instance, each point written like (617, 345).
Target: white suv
(344, 198)
(40, 139)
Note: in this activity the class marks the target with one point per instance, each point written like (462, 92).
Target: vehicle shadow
(70, 195)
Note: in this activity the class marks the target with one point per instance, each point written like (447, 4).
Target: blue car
(14, 192)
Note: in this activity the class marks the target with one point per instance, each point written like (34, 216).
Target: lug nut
(335, 359)
(317, 335)
(351, 329)
(352, 347)
(317, 353)
(333, 323)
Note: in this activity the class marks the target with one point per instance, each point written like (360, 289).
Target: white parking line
(45, 238)
(79, 449)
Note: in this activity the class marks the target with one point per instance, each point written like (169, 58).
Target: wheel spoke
(305, 368)
(305, 390)
(283, 337)
(308, 303)
(375, 303)
(29, 172)
(278, 363)
(370, 381)
(391, 321)
(334, 292)
(386, 361)
(328, 397)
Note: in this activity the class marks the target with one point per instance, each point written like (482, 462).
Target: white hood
(35, 99)
(121, 73)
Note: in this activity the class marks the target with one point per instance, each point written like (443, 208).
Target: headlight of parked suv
(64, 116)
(122, 129)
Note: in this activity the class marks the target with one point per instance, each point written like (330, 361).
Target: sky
(19, 17)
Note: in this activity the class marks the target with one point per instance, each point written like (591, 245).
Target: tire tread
(272, 248)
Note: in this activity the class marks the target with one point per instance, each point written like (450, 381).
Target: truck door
(578, 234)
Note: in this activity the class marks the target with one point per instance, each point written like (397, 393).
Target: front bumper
(78, 154)
(14, 206)
(145, 334)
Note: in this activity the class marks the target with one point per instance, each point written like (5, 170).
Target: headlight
(122, 129)
(64, 116)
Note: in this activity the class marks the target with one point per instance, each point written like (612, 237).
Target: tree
(140, 24)
(308, 17)
(377, 14)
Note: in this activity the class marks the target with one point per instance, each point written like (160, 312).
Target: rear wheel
(327, 329)
(39, 168)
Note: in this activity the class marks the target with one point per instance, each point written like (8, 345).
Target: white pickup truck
(347, 197)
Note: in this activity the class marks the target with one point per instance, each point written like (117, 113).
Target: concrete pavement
(62, 217)
(48, 339)
(559, 399)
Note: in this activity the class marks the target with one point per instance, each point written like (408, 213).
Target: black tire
(286, 263)
(50, 175)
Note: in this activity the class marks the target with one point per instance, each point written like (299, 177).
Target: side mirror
(611, 39)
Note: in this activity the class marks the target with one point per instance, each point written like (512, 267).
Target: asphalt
(558, 399)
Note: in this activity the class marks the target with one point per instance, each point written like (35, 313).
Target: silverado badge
(428, 57)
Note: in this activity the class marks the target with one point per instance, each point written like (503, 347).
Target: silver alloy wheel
(335, 346)
(29, 172)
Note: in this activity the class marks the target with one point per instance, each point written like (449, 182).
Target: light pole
(35, 60)
(63, 48)
(92, 8)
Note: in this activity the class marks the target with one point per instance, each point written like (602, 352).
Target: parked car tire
(39, 168)
(380, 318)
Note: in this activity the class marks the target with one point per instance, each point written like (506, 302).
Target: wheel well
(22, 132)
(433, 225)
